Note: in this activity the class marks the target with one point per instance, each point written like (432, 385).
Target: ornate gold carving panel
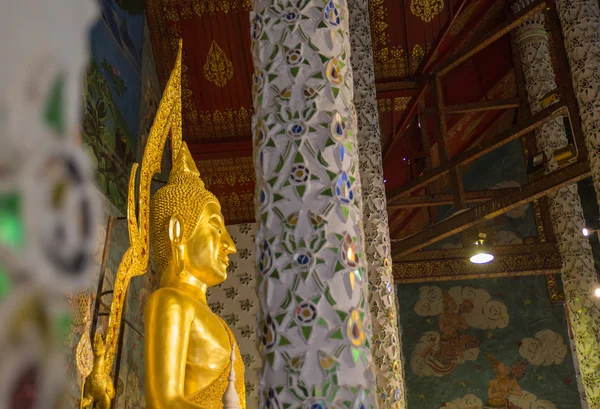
(390, 62)
(454, 264)
(217, 69)
(219, 125)
(553, 292)
(221, 175)
(397, 104)
(183, 9)
(417, 56)
(426, 10)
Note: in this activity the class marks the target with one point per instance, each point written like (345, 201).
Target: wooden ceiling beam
(454, 264)
(220, 150)
(447, 199)
(412, 109)
(480, 150)
(402, 126)
(396, 89)
(470, 217)
(493, 105)
(429, 58)
(495, 35)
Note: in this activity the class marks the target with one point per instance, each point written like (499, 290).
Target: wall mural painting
(129, 391)
(150, 93)
(82, 303)
(112, 98)
(483, 344)
(509, 171)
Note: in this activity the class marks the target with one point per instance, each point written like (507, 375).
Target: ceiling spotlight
(549, 99)
(565, 155)
(536, 162)
(597, 292)
(481, 254)
(585, 231)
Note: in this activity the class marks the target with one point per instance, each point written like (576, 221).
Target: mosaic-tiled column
(386, 348)
(578, 272)
(314, 322)
(580, 20)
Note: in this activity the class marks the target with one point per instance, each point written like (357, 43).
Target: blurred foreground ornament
(47, 207)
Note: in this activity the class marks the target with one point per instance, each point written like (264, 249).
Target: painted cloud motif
(460, 308)
(485, 313)
(469, 401)
(526, 401)
(547, 348)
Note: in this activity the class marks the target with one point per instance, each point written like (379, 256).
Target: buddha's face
(209, 247)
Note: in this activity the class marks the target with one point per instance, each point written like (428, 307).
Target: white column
(578, 272)
(387, 347)
(314, 323)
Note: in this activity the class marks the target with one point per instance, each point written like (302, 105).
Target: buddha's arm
(167, 321)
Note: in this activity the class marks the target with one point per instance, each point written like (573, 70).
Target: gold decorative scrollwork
(398, 104)
(391, 63)
(184, 9)
(417, 56)
(217, 69)
(426, 10)
(553, 292)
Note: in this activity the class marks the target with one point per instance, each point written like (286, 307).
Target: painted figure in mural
(188, 348)
(505, 383)
(453, 343)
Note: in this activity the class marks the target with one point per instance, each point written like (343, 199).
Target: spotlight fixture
(564, 155)
(536, 162)
(550, 98)
(587, 231)
(597, 292)
(481, 254)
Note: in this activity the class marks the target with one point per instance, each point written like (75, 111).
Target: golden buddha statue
(188, 348)
(191, 357)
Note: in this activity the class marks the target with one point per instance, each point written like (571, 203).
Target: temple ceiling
(410, 39)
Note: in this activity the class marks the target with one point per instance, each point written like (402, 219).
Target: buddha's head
(187, 230)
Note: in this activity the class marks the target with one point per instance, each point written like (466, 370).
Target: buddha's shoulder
(170, 296)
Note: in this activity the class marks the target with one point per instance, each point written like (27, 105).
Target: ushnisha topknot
(184, 195)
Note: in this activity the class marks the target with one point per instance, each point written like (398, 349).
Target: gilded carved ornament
(217, 69)
(185, 9)
(426, 10)
(389, 61)
(99, 385)
(417, 57)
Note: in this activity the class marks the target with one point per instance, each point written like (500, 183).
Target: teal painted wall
(445, 343)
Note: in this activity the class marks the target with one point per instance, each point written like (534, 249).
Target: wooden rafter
(220, 150)
(468, 218)
(478, 151)
(493, 105)
(448, 199)
(404, 123)
(494, 36)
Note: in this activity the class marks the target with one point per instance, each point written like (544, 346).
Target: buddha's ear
(175, 230)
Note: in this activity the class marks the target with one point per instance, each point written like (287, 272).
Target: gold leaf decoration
(401, 103)
(398, 104)
(217, 69)
(417, 56)
(84, 355)
(426, 10)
